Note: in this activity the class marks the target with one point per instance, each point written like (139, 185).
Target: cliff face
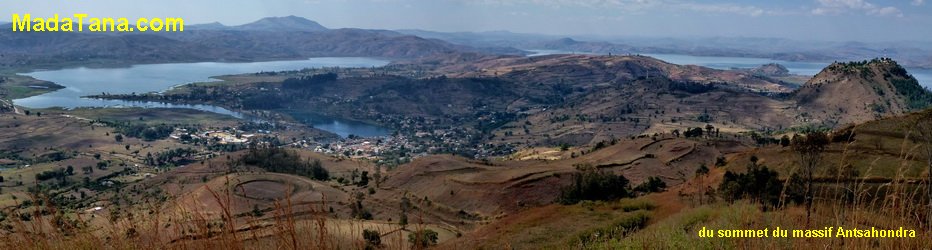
(861, 91)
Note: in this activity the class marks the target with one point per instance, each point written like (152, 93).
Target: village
(393, 149)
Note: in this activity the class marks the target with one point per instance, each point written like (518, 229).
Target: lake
(924, 76)
(145, 78)
(341, 127)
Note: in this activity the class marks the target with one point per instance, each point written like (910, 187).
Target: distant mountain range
(288, 23)
(270, 38)
(910, 54)
(293, 37)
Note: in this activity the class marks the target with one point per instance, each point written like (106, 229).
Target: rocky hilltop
(861, 91)
(771, 69)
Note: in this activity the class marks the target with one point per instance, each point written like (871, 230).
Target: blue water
(342, 127)
(146, 78)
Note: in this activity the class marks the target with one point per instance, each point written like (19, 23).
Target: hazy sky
(841, 20)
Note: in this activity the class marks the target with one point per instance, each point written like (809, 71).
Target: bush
(372, 237)
(653, 184)
(423, 238)
(617, 230)
(629, 205)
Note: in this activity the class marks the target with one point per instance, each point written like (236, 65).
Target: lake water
(145, 78)
(341, 127)
(924, 76)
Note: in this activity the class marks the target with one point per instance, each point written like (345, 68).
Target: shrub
(372, 237)
(653, 184)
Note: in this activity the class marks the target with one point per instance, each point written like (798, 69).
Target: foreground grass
(680, 231)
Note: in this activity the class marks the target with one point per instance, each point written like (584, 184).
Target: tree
(720, 161)
(405, 204)
(118, 138)
(701, 172)
(809, 149)
(363, 179)
(785, 141)
(69, 170)
(423, 238)
(795, 189)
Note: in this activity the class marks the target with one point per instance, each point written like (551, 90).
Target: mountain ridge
(275, 38)
(285, 23)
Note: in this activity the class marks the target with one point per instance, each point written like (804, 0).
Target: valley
(282, 133)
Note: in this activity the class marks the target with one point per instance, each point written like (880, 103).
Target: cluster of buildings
(231, 136)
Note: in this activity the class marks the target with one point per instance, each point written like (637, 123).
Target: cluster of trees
(284, 161)
(762, 184)
(59, 174)
(144, 131)
(758, 183)
(174, 157)
(362, 176)
(595, 185)
(693, 132)
(710, 131)
(309, 82)
(690, 87)
(262, 101)
(358, 211)
(917, 97)
(592, 184)
(52, 156)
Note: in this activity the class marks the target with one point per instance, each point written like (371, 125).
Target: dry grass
(841, 201)
(188, 225)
